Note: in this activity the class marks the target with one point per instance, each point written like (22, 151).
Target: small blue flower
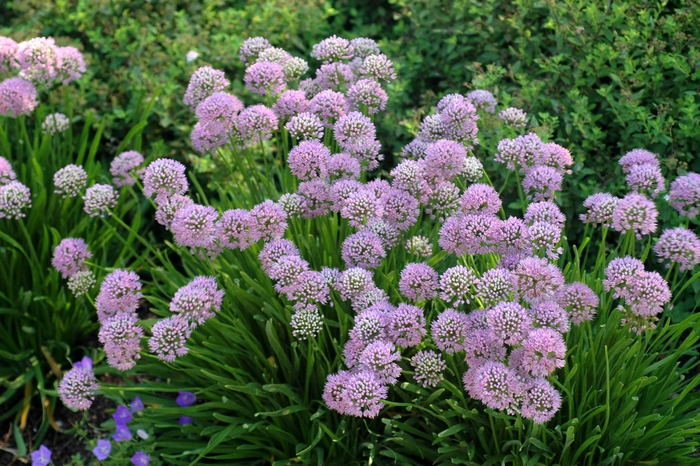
(122, 415)
(41, 457)
(123, 433)
(140, 459)
(184, 420)
(136, 405)
(85, 363)
(102, 450)
(185, 399)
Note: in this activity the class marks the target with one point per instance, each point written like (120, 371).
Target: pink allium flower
(39, 60)
(14, 198)
(452, 235)
(478, 320)
(309, 87)
(317, 197)
(600, 209)
(646, 178)
(549, 314)
(428, 367)
(273, 251)
(267, 221)
(168, 339)
(496, 285)
(482, 234)
(579, 301)
(480, 199)
(17, 97)
(684, 195)
(400, 208)
(168, 206)
(418, 282)
(363, 395)
(360, 207)
(69, 180)
(637, 157)
(286, 272)
(78, 386)
(379, 187)
(443, 200)
(265, 78)
(541, 182)
(256, 123)
(510, 322)
(164, 178)
(290, 103)
(81, 282)
(363, 249)
(310, 288)
(333, 392)
(197, 301)
(516, 235)
(305, 127)
(679, 245)
(220, 106)
(55, 123)
(637, 213)
(444, 159)
(415, 149)
(306, 322)
(419, 246)
(544, 212)
(410, 176)
(332, 49)
(334, 76)
(538, 279)
(483, 100)
(309, 160)
(234, 229)
(274, 55)
(344, 167)
(203, 83)
(123, 167)
(251, 48)
(9, 51)
(380, 358)
(120, 293)
(353, 282)
(7, 174)
(209, 135)
(620, 274)
(377, 67)
(368, 156)
(370, 326)
(514, 117)
(354, 131)
(329, 106)
(555, 156)
(449, 331)
(523, 151)
(194, 226)
(293, 205)
(71, 65)
(388, 233)
(121, 338)
(544, 238)
(331, 275)
(495, 385)
(364, 47)
(458, 285)
(541, 401)
(649, 293)
(369, 298)
(459, 118)
(481, 346)
(341, 190)
(407, 326)
(295, 68)
(446, 100)
(70, 255)
(367, 94)
(99, 198)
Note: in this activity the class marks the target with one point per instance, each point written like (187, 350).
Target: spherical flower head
(482, 234)
(637, 157)
(55, 123)
(510, 322)
(164, 178)
(432, 128)
(123, 168)
(334, 76)
(541, 182)
(419, 246)
(600, 209)
(363, 394)
(292, 204)
(679, 245)
(483, 100)
(646, 179)
(81, 282)
(407, 326)
(265, 78)
(194, 226)
(7, 174)
(329, 106)
(684, 195)
(649, 293)
(418, 282)
(17, 97)
(453, 236)
(309, 160)
(251, 48)
(380, 358)
(508, 153)
(273, 251)
(309, 87)
(294, 68)
(343, 166)
(541, 401)
(305, 127)
(197, 301)
(513, 117)
(449, 331)
(379, 186)
(286, 272)
(388, 233)
(523, 151)
(620, 274)
(257, 123)
(169, 338)
(496, 285)
(495, 385)
(9, 51)
(480, 198)
(415, 149)
(369, 298)
(168, 206)
(70, 255)
(538, 279)
(120, 293)
(77, 388)
(290, 103)
(370, 326)
(306, 322)
(637, 213)
(268, 221)
(377, 67)
(516, 235)
(333, 391)
(444, 159)
(364, 47)
(354, 131)
(353, 282)
(220, 106)
(360, 207)
(234, 229)
(39, 60)
(14, 198)
(555, 156)
(550, 314)
(310, 288)
(317, 197)
(544, 212)
(410, 176)
(121, 338)
(368, 156)
(544, 238)
(459, 118)
(99, 198)
(71, 65)
(332, 49)
(472, 170)
(341, 190)
(579, 301)
(458, 285)
(363, 249)
(367, 95)
(274, 55)
(481, 346)
(203, 83)
(428, 367)
(331, 275)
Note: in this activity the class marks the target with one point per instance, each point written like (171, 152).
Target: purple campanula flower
(41, 457)
(102, 450)
(122, 415)
(136, 405)
(122, 433)
(184, 420)
(141, 459)
(185, 399)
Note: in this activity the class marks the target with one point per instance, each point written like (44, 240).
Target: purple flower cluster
(78, 386)
(120, 293)
(70, 255)
(14, 198)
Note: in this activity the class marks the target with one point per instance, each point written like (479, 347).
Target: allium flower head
(459, 119)
(39, 60)
(121, 339)
(310, 288)
(368, 156)
(305, 127)
(428, 367)
(197, 301)
(538, 279)
(549, 314)
(516, 235)
(274, 251)
(541, 182)
(472, 170)
(354, 131)
(306, 322)
(544, 212)
(70, 255)
(360, 207)
(341, 190)
(650, 292)
(334, 390)
(458, 285)
(353, 282)
(168, 206)
(579, 301)
(482, 234)
(344, 167)
(363, 249)
(257, 123)
(7, 174)
(600, 209)
(544, 238)
(286, 272)
(193, 226)
(332, 49)
(410, 176)
(363, 395)
(495, 385)
(646, 179)
(99, 198)
(309, 160)
(679, 245)
(483, 100)
(120, 293)
(55, 123)
(684, 195)
(123, 168)
(481, 345)
(620, 274)
(496, 285)
(400, 208)
(380, 358)
(292, 204)
(415, 149)
(251, 48)
(419, 246)
(514, 117)
(265, 78)
(447, 100)
(510, 322)
(294, 68)
(309, 87)
(370, 326)
(317, 197)
(78, 386)
(444, 159)
(14, 198)
(9, 51)
(637, 213)
(555, 156)
(234, 229)
(449, 331)
(220, 106)
(481, 198)
(407, 325)
(17, 97)
(637, 157)
(386, 231)
(334, 76)
(81, 282)
(329, 106)
(523, 151)
(71, 65)
(364, 47)
(367, 94)
(418, 282)
(290, 103)
(541, 401)
(377, 67)
(274, 55)
(203, 83)
(268, 221)
(164, 178)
